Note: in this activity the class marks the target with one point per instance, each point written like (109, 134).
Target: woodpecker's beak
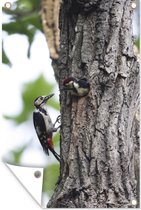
(48, 97)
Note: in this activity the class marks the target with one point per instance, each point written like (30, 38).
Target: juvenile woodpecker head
(68, 83)
(77, 87)
(41, 100)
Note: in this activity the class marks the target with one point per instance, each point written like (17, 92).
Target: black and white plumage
(77, 87)
(43, 125)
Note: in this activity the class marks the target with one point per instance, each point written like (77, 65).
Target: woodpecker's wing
(40, 128)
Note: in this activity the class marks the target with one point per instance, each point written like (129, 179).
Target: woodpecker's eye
(41, 98)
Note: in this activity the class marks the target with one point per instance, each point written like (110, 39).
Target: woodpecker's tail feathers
(46, 151)
(54, 153)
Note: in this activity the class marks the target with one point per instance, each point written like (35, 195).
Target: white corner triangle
(31, 178)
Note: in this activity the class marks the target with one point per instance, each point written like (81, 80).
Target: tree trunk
(98, 147)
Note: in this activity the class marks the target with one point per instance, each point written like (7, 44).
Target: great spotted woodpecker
(43, 125)
(77, 87)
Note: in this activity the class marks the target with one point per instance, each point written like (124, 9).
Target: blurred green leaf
(31, 91)
(5, 59)
(17, 153)
(51, 174)
(14, 27)
(22, 7)
(32, 4)
(22, 27)
(56, 140)
(137, 42)
(25, 19)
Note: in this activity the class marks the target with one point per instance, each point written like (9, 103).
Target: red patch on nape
(50, 142)
(67, 80)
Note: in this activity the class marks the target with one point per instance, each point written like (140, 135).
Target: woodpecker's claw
(58, 119)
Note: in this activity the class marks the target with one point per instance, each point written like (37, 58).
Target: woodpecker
(43, 125)
(77, 87)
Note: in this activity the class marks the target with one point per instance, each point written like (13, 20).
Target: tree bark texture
(98, 146)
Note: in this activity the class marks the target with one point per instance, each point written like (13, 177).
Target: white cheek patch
(76, 85)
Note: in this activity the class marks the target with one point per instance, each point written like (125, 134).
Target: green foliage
(137, 42)
(25, 21)
(32, 5)
(5, 59)
(51, 174)
(17, 154)
(30, 92)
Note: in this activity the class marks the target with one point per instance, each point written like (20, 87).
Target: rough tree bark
(99, 148)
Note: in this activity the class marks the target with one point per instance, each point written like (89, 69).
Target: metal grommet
(7, 5)
(37, 174)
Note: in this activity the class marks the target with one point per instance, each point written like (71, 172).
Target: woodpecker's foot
(57, 120)
(55, 129)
